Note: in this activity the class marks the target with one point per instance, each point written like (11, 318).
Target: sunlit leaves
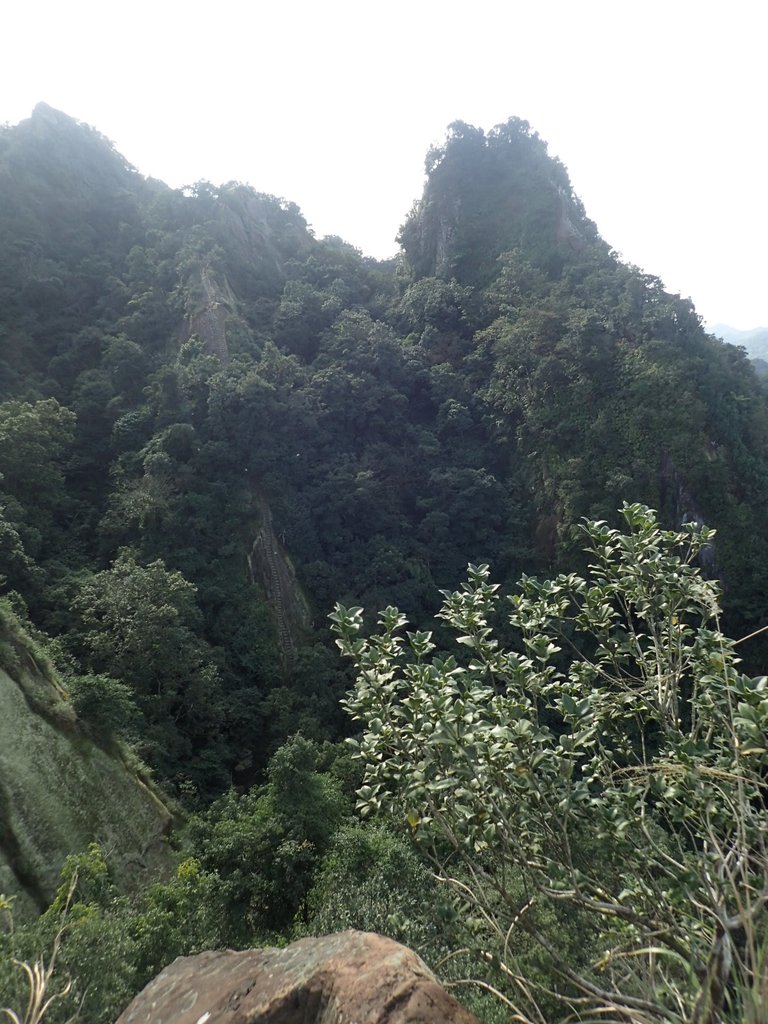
(623, 718)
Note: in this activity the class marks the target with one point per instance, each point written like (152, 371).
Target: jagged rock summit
(336, 979)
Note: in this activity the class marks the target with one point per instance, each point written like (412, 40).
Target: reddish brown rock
(349, 978)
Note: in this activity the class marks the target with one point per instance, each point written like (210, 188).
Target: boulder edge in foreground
(337, 979)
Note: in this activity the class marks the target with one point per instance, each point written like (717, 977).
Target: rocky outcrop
(271, 567)
(338, 979)
(568, 231)
(210, 306)
(60, 791)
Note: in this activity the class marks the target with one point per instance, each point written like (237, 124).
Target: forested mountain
(213, 425)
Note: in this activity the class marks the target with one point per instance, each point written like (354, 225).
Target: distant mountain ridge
(755, 340)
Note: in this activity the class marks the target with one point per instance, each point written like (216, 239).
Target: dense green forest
(214, 426)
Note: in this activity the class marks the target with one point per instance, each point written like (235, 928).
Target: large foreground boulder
(348, 978)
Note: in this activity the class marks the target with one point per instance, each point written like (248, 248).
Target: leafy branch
(616, 764)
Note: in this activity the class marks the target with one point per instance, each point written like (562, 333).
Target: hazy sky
(657, 108)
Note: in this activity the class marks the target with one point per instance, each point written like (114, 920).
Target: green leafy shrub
(616, 765)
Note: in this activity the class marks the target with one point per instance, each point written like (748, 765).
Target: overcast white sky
(657, 108)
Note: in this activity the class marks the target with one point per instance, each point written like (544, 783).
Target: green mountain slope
(61, 791)
(188, 377)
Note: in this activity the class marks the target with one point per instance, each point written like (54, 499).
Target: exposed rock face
(271, 567)
(60, 791)
(339, 979)
(210, 306)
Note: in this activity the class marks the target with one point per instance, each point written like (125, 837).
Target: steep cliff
(208, 308)
(271, 567)
(59, 790)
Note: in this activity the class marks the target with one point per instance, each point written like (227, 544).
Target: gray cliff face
(60, 791)
(210, 306)
(272, 569)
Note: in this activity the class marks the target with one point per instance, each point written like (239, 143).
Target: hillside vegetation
(60, 789)
(214, 425)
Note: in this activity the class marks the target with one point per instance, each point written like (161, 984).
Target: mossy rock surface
(60, 791)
